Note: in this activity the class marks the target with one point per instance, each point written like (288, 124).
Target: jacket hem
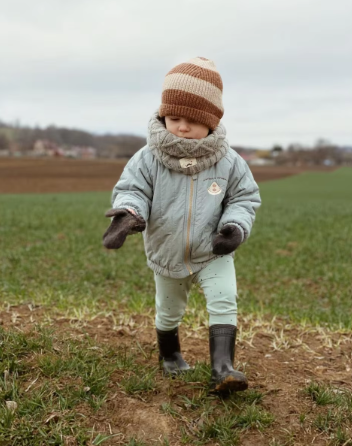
(163, 271)
(181, 274)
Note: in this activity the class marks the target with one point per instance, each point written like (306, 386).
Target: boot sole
(230, 384)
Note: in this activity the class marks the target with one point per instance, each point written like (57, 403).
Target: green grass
(52, 254)
(50, 379)
(139, 381)
(204, 417)
(57, 383)
(298, 261)
(296, 264)
(335, 419)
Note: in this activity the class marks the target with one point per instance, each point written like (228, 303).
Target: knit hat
(193, 90)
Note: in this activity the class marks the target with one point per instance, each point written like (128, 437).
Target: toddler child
(194, 198)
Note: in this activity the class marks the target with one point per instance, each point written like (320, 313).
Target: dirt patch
(280, 359)
(141, 419)
(30, 175)
(268, 173)
(58, 175)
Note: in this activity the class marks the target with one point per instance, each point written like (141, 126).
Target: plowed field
(20, 175)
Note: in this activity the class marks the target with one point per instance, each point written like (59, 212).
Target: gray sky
(100, 65)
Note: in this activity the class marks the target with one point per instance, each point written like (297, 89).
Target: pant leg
(170, 301)
(218, 281)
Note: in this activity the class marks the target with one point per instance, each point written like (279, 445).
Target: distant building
(254, 157)
(261, 162)
(88, 152)
(44, 147)
(80, 152)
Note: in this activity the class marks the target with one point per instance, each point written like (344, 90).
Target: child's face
(185, 128)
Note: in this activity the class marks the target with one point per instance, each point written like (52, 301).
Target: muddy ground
(23, 175)
(280, 360)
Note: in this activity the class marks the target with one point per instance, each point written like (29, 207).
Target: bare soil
(58, 175)
(281, 359)
(31, 175)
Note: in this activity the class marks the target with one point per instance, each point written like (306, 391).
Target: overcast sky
(100, 65)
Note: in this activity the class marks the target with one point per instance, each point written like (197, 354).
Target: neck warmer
(188, 156)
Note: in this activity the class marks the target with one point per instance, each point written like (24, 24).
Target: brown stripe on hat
(179, 97)
(194, 90)
(198, 72)
(190, 84)
(195, 115)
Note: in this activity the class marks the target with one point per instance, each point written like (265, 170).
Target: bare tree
(4, 142)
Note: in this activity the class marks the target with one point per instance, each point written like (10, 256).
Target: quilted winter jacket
(183, 212)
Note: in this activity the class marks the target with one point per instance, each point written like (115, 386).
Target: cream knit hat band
(194, 90)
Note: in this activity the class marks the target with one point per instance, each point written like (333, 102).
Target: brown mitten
(122, 225)
(229, 239)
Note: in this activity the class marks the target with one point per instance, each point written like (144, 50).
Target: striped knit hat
(193, 90)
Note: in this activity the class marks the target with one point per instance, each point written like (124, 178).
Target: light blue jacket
(184, 213)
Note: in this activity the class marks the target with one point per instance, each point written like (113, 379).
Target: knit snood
(188, 156)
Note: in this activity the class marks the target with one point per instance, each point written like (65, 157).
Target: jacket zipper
(187, 250)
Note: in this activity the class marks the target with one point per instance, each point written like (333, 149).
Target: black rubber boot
(170, 352)
(224, 378)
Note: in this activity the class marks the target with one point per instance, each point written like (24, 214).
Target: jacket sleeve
(135, 187)
(241, 200)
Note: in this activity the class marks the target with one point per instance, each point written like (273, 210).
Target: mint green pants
(218, 281)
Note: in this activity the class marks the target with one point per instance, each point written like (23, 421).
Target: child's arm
(241, 200)
(134, 190)
(131, 201)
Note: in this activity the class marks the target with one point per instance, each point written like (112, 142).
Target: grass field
(71, 310)
(297, 263)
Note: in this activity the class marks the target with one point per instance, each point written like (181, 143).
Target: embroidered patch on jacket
(188, 162)
(214, 189)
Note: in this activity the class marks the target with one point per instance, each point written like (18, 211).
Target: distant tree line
(22, 139)
(323, 152)
(107, 145)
